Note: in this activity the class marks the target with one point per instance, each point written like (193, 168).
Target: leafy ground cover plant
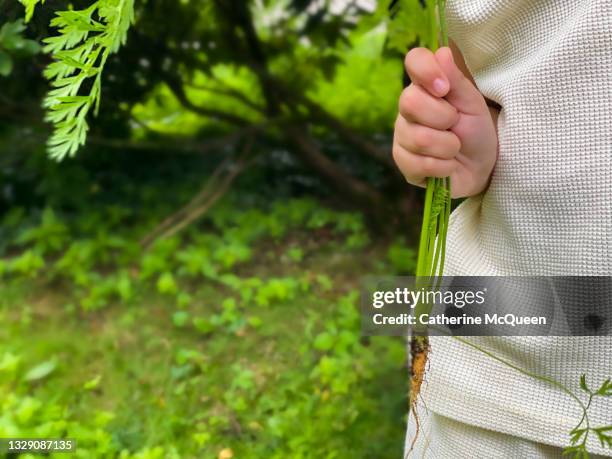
(211, 343)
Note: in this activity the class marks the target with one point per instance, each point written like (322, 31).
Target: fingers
(462, 95)
(418, 106)
(424, 70)
(426, 141)
(438, 74)
(416, 168)
(423, 144)
(439, 114)
(420, 151)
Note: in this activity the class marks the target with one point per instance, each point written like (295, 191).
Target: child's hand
(444, 127)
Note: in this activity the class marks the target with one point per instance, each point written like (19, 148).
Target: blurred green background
(187, 285)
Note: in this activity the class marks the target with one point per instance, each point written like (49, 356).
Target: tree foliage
(316, 79)
(86, 38)
(13, 44)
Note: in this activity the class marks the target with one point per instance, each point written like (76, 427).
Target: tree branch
(272, 88)
(352, 137)
(215, 188)
(176, 86)
(310, 153)
(306, 147)
(172, 146)
(239, 13)
(230, 92)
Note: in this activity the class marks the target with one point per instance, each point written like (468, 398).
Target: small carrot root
(419, 351)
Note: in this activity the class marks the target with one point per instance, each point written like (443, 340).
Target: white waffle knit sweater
(548, 210)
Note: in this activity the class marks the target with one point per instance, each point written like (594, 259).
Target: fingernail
(440, 86)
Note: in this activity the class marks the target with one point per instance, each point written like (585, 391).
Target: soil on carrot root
(419, 350)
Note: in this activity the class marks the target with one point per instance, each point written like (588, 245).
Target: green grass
(263, 358)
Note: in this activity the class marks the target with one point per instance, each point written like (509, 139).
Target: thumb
(462, 95)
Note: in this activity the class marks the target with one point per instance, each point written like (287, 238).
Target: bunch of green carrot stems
(432, 243)
(437, 207)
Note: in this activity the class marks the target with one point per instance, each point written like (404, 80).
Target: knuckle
(455, 144)
(414, 55)
(450, 148)
(399, 133)
(406, 163)
(429, 166)
(410, 56)
(452, 117)
(396, 152)
(422, 138)
(408, 101)
(397, 126)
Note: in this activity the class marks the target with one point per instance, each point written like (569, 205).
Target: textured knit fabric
(449, 438)
(548, 211)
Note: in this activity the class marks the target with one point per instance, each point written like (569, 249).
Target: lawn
(239, 338)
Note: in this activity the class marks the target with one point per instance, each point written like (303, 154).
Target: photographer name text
(457, 298)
